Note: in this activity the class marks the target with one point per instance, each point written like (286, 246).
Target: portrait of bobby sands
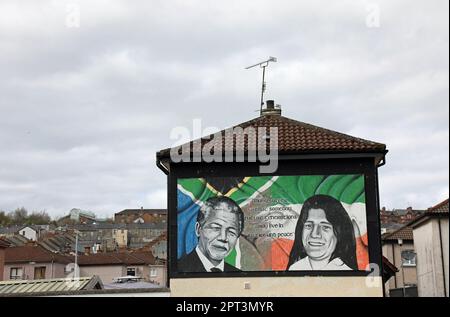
(324, 237)
(220, 222)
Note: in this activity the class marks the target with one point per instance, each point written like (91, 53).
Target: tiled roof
(143, 211)
(10, 230)
(15, 240)
(49, 286)
(404, 233)
(147, 247)
(117, 258)
(124, 226)
(294, 137)
(34, 253)
(402, 212)
(3, 243)
(440, 208)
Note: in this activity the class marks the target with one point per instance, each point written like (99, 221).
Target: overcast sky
(86, 100)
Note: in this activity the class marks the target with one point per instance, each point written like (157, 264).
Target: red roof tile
(294, 137)
(34, 253)
(440, 208)
(404, 233)
(117, 258)
(3, 243)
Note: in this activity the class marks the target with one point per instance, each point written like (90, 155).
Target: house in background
(29, 232)
(141, 216)
(392, 220)
(139, 234)
(3, 246)
(112, 265)
(431, 236)
(31, 262)
(109, 237)
(82, 216)
(398, 248)
(158, 247)
(121, 237)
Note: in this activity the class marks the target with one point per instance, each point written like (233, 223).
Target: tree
(38, 218)
(4, 219)
(18, 216)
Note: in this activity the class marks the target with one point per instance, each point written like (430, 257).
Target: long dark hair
(342, 226)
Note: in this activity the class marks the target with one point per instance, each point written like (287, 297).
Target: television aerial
(263, 65)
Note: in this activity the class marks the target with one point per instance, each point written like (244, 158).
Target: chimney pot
(270, 108)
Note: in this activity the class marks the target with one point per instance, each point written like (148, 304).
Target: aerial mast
(263, 65)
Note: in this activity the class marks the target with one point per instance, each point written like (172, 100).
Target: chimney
(271, 109)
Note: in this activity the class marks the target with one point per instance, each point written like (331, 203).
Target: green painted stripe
(307, 185)
(231, 258)
(354, 192)
(340, 185)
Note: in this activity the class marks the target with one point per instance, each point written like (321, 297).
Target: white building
(29, 232)
(431, 243)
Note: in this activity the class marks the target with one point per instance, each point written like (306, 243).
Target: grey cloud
(85, 109)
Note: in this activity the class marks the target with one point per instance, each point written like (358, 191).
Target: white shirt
(305, 265)
(206, 263)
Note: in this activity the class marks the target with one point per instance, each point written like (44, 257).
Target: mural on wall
(272, 223)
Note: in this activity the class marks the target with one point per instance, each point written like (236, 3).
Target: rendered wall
(278, 286)
(431, 278)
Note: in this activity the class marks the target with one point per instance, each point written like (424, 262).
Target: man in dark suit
(220, 222)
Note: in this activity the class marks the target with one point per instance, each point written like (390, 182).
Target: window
(16, 273)
(131, 271)
(153, 272)
(39, 272)
(408, 258)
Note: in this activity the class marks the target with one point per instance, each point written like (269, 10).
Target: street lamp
(400, 243)
(77, 272)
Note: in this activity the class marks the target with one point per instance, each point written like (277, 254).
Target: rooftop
(294, 137)
(4, 244)
(128, 226)
(404, 233)
(49, 286)
(437, 211)
(117, 258)
(143, 211)
(34, 253)
(442, 207)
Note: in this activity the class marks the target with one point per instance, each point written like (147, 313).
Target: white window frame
(407, 262)
(18, 275)
(132, 268)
